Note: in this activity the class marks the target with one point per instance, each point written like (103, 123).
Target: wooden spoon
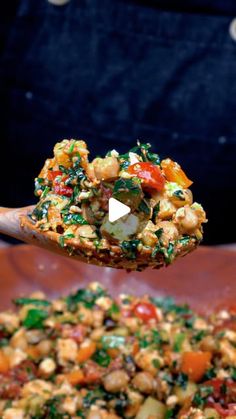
(17, 223)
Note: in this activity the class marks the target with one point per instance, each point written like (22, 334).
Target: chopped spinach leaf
(23, 301)
(102, 358)
(41, 210)
(184, 240)
(35, 318)
(144, 207)
(114, 309)
(85, 296)
(129, 247)
(182, 380)
(64, 237)
(70, 218)
(159, 232)
(156, 210)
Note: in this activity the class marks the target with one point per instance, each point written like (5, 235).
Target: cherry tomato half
(52, 174)
(149, 173)
(145, 311)
(63, 190)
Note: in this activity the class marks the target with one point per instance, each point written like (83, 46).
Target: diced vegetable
(86, 352)
(174, 173)
(121, 229)
(150, 175)
(145, 311)
(195, 364)
(151, 408)
(4, 363)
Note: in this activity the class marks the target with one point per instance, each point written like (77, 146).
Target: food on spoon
(164, 221)
(95, 357)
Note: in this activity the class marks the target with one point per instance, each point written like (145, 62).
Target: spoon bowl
(18, 224)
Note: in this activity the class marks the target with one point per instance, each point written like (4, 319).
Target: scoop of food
(74, 194)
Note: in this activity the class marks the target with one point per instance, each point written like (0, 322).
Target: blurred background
(112, 72)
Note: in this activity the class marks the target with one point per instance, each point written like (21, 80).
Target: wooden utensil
(17, 223)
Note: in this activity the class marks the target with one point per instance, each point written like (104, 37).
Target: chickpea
(107, 168)
(186, 219)
(166, 211)
(144, 360)
(116, 381)
(208, 344)
(45, 346)
(181, 197)
(144, 382)
(19, 340)
(94, 414)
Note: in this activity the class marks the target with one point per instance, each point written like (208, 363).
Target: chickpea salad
(164, 222)
(91, 356)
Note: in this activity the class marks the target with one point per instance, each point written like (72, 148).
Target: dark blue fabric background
(115, 71)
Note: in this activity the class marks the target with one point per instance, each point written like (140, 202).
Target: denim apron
(112, 72)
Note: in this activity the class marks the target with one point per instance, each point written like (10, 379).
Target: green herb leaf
(35, 318)
(102, 358)
(114, 309)
(41, 210)
(182, 380)
(159, 232)
(144, 207)
(69, 219)
(65, 237)
(85, 296)
(184, 240)
(129, 247)
(156, 210)
(178, 341)
(23, 301)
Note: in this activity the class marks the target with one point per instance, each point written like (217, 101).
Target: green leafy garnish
(144, 207)
(178, 342)
(129, 247)
(102, 358)
(184, 240)
(201, 395)
(182, 380)
(35, 318)
(74, 219)
(23, 301)
(85, 296)
(159, 232)
(156, 210)
(65, 237)
(114, 309)
(41, 210)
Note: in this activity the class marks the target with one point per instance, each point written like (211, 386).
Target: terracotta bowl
(205, 279)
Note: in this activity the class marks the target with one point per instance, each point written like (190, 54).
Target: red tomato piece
(149, 173)
(63, 190)
(230, 410)
(145, 311)
(52, 174)
(218, 386)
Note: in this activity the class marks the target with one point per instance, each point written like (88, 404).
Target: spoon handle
(10, 221)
